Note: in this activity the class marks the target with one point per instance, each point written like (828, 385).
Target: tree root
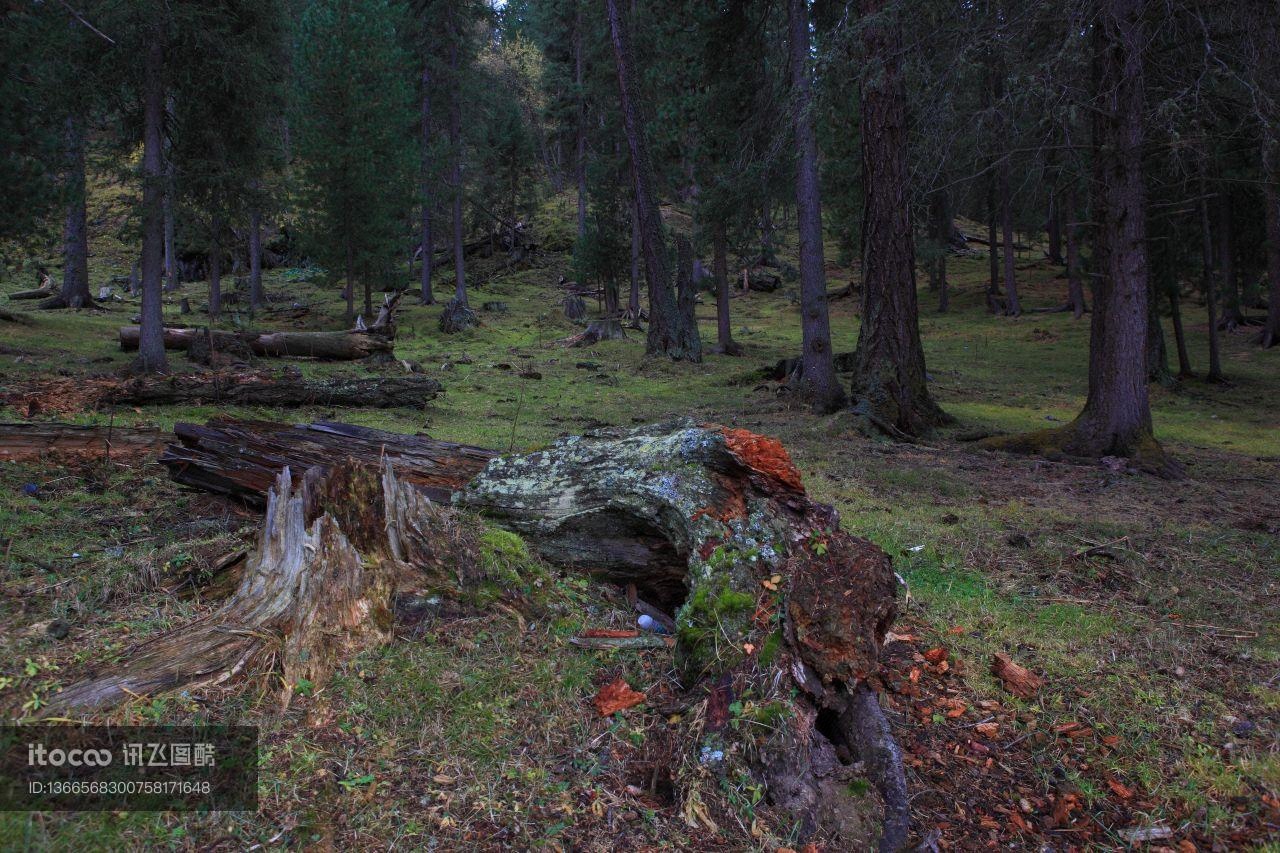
(1064, 444)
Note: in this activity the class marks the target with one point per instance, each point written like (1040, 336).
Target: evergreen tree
(354, 123)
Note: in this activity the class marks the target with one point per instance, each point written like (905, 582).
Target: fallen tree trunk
(379, 393)
(36, 293)
(333, 346)
(772, 600)
(242, 458)
(34, 441)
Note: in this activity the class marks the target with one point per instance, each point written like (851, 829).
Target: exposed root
(1065, 444)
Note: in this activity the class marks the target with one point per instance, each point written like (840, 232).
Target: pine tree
(354, 123)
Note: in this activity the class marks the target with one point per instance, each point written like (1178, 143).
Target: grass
(475, 728)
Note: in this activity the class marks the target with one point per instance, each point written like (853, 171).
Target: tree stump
(456, 317)
(574, 307)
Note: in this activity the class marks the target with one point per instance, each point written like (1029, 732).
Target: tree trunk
(151, 356)
(1012, 306)
(1210, 287)
(1230, 317)
(1271, 198)
(350, 272)
(1116, 419)
(428, 245)
(668, 334)
(1157, 353)
(633, 298)
(1054, 227)
(455, 172)
(75, 231)
(336, 346)
(818, 380)
(44, 442)
(889, 384)
(942, 237)
(1175, 311)
(580, 125)
(255, 257)
(1075, 286)
(720, 269)
(170, 239)
(215, 268)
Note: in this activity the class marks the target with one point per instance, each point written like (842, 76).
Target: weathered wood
(335, 346)
(771, 598)
(43, 292)
(373, 393)
(242, 458)
(319, 587)
(34, 441)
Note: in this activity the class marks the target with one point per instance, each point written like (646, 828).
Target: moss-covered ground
(1150, 608)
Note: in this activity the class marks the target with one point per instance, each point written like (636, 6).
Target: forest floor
(1150, 608)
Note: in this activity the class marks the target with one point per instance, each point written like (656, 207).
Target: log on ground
(22, 442)
(334, 346)
(242, 458)
(376, 393)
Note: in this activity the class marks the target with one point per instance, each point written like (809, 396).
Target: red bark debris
(616, 696)
(764, 455)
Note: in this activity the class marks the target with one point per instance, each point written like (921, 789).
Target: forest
(592, 425)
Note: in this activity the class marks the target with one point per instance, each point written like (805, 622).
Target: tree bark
(1230, 316)
(580, 125)
(33, 442)
(633, 298)
(942, 237)
(720, 269)
(255, 257)
(1054, 227)
(1210, 287)
(668, 334)
(336, 346)
(1175, 311)
(428, 245)
(1012, 306)
(242, 458)
(151, 356)
(818, 380)
(1271, 198)
(75, 231)
(215, 268)
(455, 171)
(1116, 419)
(889, 384)
(1075, 286)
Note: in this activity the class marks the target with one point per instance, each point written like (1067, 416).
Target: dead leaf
(1019, 681)
(1121, 790)
(1063, 806)
(987, 730)
(936, 655)
(441, 779)
(616, 696)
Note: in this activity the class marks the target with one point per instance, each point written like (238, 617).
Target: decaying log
(43, 292)
(242, 458)
(374, 393)
(33, 441)
(335, 346)
(771, 598)
(320, 586)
